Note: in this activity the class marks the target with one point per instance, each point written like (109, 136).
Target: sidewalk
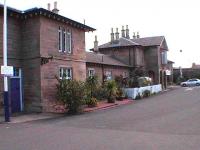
(30, 117)
(41, 116)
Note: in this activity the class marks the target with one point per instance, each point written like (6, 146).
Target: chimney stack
(138, 35)
(55, 10)
(112, 36)
(49, 7)
(127, 32)
(96, 48)
(123, 32)
(117, 34)
(134, 36)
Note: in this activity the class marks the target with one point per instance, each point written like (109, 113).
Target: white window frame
(90, 70)
(63, 37)
(60, 39)
(69, 51)
(65, 41)
(65, 70)
(108, 75)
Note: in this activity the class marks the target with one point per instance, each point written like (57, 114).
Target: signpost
(5, 69)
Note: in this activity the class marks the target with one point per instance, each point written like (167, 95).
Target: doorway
(16, 91)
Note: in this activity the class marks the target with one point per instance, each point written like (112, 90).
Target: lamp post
(6, 101)
(180, 68)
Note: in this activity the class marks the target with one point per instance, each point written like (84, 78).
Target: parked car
(191, 82)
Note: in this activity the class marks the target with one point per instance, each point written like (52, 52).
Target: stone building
(148, 54)
(41, 45)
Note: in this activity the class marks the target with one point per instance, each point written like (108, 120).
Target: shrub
(111, 90)
(119, 94)
(91, 86)
(146, 93)
(144, 81)
(92, 102)
(100, 93)
(71, 93)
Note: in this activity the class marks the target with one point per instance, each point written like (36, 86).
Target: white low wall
(133, 92)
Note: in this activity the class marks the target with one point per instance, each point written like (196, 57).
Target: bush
(144, 81)
(111, 88)
(91, 86)
(119, 94)
(92, 102)
(100, 93)
(71, 93)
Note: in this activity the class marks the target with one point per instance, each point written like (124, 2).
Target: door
(15, 97)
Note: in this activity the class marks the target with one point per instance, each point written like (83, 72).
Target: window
(108, 75)
(91, 72)
(60, 39)
(16, 72)
(64, 40)
(69, 42)
(65, 73)
(164, 57)
(125, 75)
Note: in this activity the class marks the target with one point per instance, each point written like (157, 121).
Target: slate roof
(50, 14)
(103, 59)
(121, 43)
(149, 41)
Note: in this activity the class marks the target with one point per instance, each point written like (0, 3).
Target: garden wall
(134, 92)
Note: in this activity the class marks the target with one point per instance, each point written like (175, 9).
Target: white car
(191, 82)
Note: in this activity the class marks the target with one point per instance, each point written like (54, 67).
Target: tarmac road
(169, 121)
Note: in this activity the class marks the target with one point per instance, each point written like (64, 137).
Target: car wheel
(197, 84)
(184, 85)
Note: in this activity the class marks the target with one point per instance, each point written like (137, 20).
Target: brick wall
(49, 47)
(151, 59)
(101, 69)
(31, 64)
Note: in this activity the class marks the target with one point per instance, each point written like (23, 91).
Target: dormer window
(64, 41)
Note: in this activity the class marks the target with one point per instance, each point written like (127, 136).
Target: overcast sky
(177, 20)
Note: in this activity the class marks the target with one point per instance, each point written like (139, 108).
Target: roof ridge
(130, 41)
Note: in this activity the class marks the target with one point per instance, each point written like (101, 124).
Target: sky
(177, 20)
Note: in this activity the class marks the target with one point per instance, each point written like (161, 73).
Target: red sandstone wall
(99, 70)
(49, 47)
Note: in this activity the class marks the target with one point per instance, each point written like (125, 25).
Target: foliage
(91, 86)
(144, 81)
(71, 93)
(92, 102)
(111, 88)
(146, 93)
(121, 81)
(133, 82)
(100, 93)
(119, 94)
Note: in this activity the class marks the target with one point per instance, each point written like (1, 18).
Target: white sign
(7, 71)
(168, 72)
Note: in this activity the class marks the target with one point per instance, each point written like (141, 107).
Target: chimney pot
(123, 32)
(49, 6)
(96, 48)
(55, 5)
(138, 35)
(55, 10)
(117, 34)
(112, 36)
(127, 32)
(134, 36)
